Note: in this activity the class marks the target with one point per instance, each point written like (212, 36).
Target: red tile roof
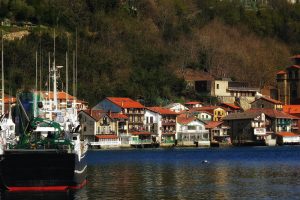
(118, 116)
(193, 103)
(287, 134)
(140, 133)
(185, 120)
(125, 102)
(110, 136)
(162, 111)
(268, 99)
(212, 124)
(232, 106)
(271, 113)
(8, 99)
(291, 109)
(281, 72)
(209, 109)
(95, 114)
(60, 95)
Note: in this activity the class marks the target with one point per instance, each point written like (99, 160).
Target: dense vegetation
(134, 47)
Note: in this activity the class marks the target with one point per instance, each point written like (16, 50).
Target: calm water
(231, 173)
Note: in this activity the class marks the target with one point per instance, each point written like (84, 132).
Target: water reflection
(250, 173)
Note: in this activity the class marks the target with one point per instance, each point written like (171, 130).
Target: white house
(191, 131)
(176, 107)
(203, 115)
(193, 104)
(102, 129)
(161, 122)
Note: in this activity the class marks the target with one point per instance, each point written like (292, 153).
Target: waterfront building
(218, 132)
(247, 127)
(101, 128)
(258, 126)
(132, 109)
(191, 131)
(161, 122)
(287, 138)
(293, 110)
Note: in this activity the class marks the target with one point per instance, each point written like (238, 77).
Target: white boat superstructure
(7, 126)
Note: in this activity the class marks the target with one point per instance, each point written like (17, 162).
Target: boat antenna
(49, 79)
(2, 75)
(74, 78)
(76, 68)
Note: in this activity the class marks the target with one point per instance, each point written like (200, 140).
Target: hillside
(132, 48)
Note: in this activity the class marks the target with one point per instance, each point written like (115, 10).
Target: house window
(217, 86)
(84, 129)
(147, 120)
(191, 127)
(151, 119)
(262, 105)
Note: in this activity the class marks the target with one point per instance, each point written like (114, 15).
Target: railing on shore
(139, 141)
(106, 143)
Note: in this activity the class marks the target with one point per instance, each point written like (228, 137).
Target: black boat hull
(30, 170)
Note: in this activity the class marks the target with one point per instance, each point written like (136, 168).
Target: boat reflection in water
(62, 195)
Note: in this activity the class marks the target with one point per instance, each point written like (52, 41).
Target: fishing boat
(49, 154)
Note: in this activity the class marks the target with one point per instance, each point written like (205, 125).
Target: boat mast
(2, 76)
(36, 85)
(74, 79)
(54, 77)
(49, 81)
(67, 77)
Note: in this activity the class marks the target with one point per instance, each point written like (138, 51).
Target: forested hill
(133, 47)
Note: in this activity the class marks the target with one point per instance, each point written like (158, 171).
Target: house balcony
(130, 112)
(194, 131)
(135, 122)
(168, 132)
(168, 123)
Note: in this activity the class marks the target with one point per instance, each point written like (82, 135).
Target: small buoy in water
(205, 162)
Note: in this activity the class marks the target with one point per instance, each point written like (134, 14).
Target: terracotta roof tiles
(162, 111)
(287, 134)
(185, 120)
(125, 102)
(213, 124)
(291, 109)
